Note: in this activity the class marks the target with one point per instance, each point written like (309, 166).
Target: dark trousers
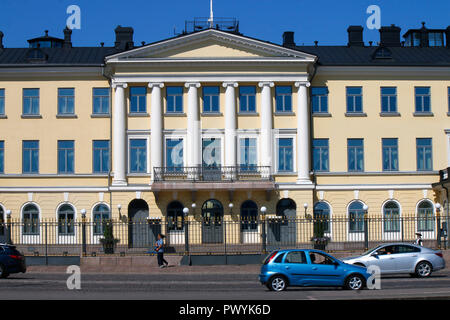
(161, 259)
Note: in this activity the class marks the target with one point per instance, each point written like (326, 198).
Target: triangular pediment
(210, 44)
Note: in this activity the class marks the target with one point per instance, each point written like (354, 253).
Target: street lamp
(83, 213)
(305, 205)
(231, 205)
(366, 227)
(264, 234)
(186, 211)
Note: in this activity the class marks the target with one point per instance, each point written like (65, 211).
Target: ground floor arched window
(356, 217)
(100, 215)
(425, 219)
(391, 217)
(66, 217)
(321, 213)
(30, 219)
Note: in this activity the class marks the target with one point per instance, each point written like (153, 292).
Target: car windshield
(370, 250)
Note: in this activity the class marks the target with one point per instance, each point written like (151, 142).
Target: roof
(363, 56)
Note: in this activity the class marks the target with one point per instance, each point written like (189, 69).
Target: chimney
(390, 36)
(288, 39)
(67, 38)
(355, 36)
(1, 40)
(124, 38)
(447, 37)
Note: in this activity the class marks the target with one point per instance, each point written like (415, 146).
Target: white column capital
(192, 84)
(230, 84)
(266, 84)
(302, 83)
(119, 84)
(155, 84)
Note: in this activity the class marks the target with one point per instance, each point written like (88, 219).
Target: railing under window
(213, 173)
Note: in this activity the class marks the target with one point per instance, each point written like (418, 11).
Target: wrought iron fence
(231, 235)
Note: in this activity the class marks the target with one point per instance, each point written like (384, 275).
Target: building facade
(216, 125)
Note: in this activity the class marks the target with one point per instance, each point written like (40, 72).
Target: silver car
(394, 258)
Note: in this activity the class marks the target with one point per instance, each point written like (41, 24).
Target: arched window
(321, 213)
(286, 208)
(175, 216)
(249, 215)
(2, 222)
(66, 216)
(30, 217)
(356, 217)
(100, 214)
(425, 219)
(391, 217)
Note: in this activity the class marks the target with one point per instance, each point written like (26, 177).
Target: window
(382, 53)
(423, 99)
(138, 155)
(319, 99)
(30, 102)
(435, 39)
(320, 155)
(249, 216)
(211, 153)
(138, 96)
(425, 219)
(388, 99)
(100, 156)
(295, 257)
(424, 154)
(391, 217)
(403, 248)
(101, 215)
(175, 216)
(283, 98)
(2, 101)
(390, 154)
(66, 156)
(321, 213)
(354, 99)
(100, 100)
(211, 100)
(285, 154)
(248, 154)
(66, 100)
(174, 99)
(286, 209)
(247, 99)
(355, 154)
(30, 156)
(319, 258)
(174, 154)
(30, 216)
(66, 217)
(356, 217)
(2, 156)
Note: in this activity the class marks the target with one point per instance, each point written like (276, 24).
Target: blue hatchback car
(304, 267)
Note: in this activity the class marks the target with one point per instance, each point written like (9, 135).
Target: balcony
(216, 177)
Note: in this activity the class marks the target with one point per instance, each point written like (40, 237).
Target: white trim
(53, 189)
(353, 236)
(339, 187)
(140, 136)
(66, 238)
(277, 135)
(96, 238)
(426, 234)
(246, 135)
(418, 72)
(34, 238)
(329, 234)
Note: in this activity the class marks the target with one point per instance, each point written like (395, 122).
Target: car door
(384, 258)
(324, 269)
(406, 257)
(296, 267)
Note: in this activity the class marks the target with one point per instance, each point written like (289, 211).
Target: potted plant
(319, 239)
(108, 241)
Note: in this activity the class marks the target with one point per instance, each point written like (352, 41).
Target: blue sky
(153, 20)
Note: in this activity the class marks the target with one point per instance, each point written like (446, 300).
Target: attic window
(36, 55)
(382, 53)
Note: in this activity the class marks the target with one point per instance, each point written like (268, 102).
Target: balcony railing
(211, 174)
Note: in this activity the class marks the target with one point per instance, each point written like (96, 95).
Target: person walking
(160, 251)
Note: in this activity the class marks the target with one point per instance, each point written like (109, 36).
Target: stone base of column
(304, 181)
(119, 183)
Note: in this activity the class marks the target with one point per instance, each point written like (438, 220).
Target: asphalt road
(204, 286)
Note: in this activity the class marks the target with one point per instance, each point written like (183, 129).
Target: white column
(303, 134)
(230, 126)
(156, 123)
(119, 135)
(193, 126)
(266, 125)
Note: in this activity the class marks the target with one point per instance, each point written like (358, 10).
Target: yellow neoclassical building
(212, 125)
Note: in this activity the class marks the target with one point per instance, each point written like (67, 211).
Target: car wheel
(354, 282)
(423, 269)
(277, 283)
(3, 273)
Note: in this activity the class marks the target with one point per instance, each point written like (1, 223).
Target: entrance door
(212, 227)
(282, 230)
(138, 228)
(249, 223)
(175, 222)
